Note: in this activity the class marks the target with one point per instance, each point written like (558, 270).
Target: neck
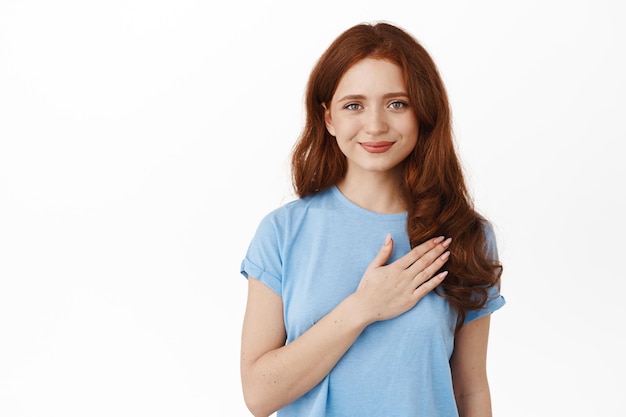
(379, 193)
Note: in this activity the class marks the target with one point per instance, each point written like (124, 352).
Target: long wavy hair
(438, 202)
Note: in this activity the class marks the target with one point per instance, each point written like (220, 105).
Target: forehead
(373, 76)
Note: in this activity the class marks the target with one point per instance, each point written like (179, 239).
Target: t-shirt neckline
(358, 210)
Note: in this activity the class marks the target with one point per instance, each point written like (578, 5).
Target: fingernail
(387, 239)
(445, 255)
(439, 239)
(447, 242)
(443, 274)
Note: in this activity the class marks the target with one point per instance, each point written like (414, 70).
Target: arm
(274, 374)
(469, 369)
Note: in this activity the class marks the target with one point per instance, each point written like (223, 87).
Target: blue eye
(353, 106)
(397, 105)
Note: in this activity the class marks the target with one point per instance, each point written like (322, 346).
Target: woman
(370, 295)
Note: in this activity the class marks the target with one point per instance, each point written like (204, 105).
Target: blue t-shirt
(313, 252)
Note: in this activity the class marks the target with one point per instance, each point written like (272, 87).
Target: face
(371, 117)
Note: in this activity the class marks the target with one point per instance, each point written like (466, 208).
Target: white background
(142, 141)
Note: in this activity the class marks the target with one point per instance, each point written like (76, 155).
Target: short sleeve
(495, 300)
(263, 260)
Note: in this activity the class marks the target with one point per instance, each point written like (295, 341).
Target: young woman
(370, 295)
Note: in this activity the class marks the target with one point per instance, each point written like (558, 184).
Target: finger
(383, 254)
(419, 251)
(429, 257)
(431, 269)
(430, 285)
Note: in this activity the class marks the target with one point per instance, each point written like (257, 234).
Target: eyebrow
(362, 97)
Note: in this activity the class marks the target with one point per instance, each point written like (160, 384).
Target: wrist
(357, 312)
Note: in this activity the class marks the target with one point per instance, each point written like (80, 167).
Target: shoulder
(294, 212)
(486, 238)
(298, 207)
(491, 247)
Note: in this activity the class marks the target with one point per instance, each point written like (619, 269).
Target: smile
(376, 147)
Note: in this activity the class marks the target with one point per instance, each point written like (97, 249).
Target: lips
(376, 147)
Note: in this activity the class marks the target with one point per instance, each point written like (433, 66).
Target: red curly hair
(434, 186)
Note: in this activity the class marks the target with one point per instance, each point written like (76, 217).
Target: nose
(375, 122)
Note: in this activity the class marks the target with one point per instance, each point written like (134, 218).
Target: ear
(328, 120)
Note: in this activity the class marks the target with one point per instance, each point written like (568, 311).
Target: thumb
(384, 253)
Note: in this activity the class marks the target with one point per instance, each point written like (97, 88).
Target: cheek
(412, 131)
(342, 144)
(411, 125)
(344, 141)
(345, 129)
